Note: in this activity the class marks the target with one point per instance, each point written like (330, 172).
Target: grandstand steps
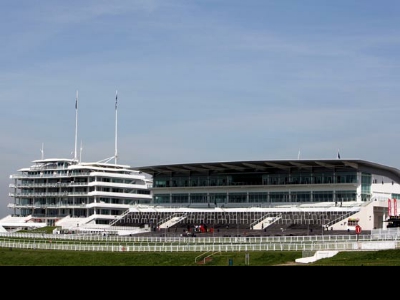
(266, 222)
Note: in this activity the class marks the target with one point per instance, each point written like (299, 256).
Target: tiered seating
(239, 220)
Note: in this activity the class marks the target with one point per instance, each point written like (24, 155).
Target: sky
(198, 81)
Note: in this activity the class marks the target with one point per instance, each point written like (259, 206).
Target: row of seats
(231, 218)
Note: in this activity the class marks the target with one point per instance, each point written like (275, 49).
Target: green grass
(363, 258)
(31, 257)
(35, 257)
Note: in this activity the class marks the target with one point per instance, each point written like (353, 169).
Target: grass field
(31, 257)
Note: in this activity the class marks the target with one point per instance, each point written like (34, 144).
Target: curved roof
(273, 165)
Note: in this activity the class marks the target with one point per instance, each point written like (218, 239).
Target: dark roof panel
(265, 165)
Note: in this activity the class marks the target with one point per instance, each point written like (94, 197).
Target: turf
(32, 257)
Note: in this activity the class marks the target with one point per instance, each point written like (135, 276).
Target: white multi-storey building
(52, 189)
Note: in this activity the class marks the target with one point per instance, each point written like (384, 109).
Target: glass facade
(259, 188)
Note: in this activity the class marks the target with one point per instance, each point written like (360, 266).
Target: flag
(338, 154)
(116, 99)
(76, 101)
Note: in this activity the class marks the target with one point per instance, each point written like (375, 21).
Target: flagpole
(76, 126)
(116, 127)
(80, 152)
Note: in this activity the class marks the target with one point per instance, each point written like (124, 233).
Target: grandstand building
(264, 197)
(336, 194)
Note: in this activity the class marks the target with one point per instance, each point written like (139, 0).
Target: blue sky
(199, 81)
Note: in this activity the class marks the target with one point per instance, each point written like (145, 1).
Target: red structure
(394, 207)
